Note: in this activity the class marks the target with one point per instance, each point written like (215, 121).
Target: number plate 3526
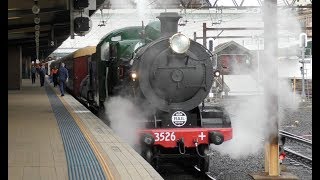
(164, 136)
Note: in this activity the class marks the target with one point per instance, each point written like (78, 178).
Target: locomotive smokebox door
(178, 118)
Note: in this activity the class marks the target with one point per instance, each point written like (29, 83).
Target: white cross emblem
(201, 136)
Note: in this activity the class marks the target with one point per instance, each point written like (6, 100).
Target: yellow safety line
(89, 139)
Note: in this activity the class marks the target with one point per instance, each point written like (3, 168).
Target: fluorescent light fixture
(37, 20)
(13, 9)
(35, 9)
(15, 17)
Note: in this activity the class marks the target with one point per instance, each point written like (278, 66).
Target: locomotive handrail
(226, 87)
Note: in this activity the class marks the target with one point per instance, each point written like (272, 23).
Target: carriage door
(81, 71)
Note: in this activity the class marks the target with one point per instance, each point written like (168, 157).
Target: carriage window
(105, 52)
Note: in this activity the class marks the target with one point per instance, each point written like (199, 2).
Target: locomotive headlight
(179, 43)
(216, 73)
(134, 75)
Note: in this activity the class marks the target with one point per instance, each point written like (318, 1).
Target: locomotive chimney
(169, 23)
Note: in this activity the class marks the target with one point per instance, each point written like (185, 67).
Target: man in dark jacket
(42, 73)
(63, 78)
(33, 74)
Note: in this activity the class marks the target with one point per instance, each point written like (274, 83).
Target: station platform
(53, 137)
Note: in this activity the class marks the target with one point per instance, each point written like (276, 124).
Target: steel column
(204, 35)
(270, 78)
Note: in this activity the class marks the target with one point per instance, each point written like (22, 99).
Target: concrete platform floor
(35, 148)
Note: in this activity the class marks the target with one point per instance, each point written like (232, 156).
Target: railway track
(181, 169)
(295, 138)
(298, 158)
(297, 149)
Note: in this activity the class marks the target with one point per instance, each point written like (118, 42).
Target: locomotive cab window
(105, 52)
(116, 38)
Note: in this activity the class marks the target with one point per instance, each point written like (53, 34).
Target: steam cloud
(250, 121)
(125, 118)
(142, 7)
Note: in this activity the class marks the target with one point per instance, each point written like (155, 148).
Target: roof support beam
(214, 4)
(286, 2)
(248, 28)
(236, 28)
(224, 37)
(28, 12)
(241, 2)
(260, 3)
(208, 3)
(235, 3)
(29, 29)
(19, 27)
(292, 3)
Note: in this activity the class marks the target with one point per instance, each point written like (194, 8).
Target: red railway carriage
(77, 65)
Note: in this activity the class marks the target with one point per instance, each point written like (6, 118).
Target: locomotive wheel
(89, 96)
(149, 156)
(101, 106)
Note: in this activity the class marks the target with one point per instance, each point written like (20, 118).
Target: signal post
(270, 81)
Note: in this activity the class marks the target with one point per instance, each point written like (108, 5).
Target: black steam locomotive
(162, 70)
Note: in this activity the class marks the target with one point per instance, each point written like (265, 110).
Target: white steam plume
(143, 8)
(125, 118)
(250, 120)
(249, 123)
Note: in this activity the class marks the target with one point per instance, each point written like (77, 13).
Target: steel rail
(294, 137)
(299, 158)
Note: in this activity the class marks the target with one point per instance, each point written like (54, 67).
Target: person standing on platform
(54, 74)
(33, 74)
(63, 78)
(37, 69)
(42, 73)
